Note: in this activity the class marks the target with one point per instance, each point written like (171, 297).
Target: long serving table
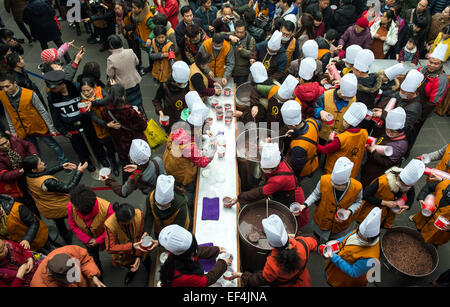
(220, 179)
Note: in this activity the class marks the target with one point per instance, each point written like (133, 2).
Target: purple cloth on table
(210, 208)
(207, 263)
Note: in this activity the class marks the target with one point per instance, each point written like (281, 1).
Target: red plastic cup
(227, 91)
(219, 115)
(369, 114)
(83, 107)
(371, 141)
(214, 103)
(334, 245)
(228, 120)
(332, 135)
(441, 222)
(165, 120)
(227, 106)
(378, 122)
(428, 205)
(325, 250)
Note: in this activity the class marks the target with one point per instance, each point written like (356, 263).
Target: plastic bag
(155, 135)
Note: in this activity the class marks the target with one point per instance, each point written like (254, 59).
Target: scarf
(14, 158)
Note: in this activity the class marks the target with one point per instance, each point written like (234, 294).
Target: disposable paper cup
(221, 152)
(214, 103)
(104, 172)
(425, 158)
(146, 242)
(295, 209)
(371, 141)
(163, 257)
(401, 201)
(428, 205)
(165, 120)
(219, 115)
(228, 120)
(227, 106)
(330, 119)
(441, 222)
(396, 209)
(227, 91)
(342, 215)
(332, 135)
(83, 107)
(227, 200)
(209, 121)
(327, 251)
(334, 245)
(321, 248)
(384, 150)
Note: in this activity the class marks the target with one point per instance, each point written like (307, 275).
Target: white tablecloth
(219, 179)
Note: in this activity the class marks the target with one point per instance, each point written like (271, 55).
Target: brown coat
(16, 8)
(88, 268)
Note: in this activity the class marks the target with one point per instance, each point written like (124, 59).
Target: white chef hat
(439, 52)
(412, 172)
(351, 52)
(412, 81)
(191, 98)
(140, 152)
(355, 113)
(307, 68)
(180, 72)
(287, 88)
(270, 156)
(291, 111)
(274, 42)
(310, 49)
(198, 114)
(274, 229)
(363, 60)
(259, 72)
(342, 171)
(370, 227)
(292, 18)
(393, 71)
(164, 193)
(175, 239)
(349, 85)
(396, 118)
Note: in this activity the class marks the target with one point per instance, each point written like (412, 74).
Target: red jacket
(436, 87)
(308, 94)
(170, 9)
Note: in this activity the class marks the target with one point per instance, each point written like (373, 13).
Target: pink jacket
(88, 219)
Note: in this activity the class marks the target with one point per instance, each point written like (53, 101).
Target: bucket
(253, 255)
(243, 94)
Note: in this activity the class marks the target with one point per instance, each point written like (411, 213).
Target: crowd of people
(309, 67)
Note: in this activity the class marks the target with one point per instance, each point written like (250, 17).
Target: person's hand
(435, 178)
(69, 166)
(376, 36)
(92, 243)
(217, 91)
(237, 113)
(30, 265)
(79, 56)
(382, 38)
(268, 140)
(371, 149)
(82, 167)
(336, 82)
(104, 5)
(25, 244)
(377, 112)
(234, 39)
(228, 261)
(252, 61)
(211, 74)
(68, 135)
(21, 171)
(97, 282)
(14, 134)
(402, 209)
(233, 202)
(224, 81)
(211, 29)
(135, 265)
(289, 133)
(165, 54)
(112, 82)
(222, 250)
(388, 203)
(22, 271)
(324, 81)
(240, 48)
(148, 42)
(254, 111)
(233, 276)
(339, 47)
(86, 20)
(291, 236)
(413, 64)
(113, 125)
(324, 115)
(130, 168)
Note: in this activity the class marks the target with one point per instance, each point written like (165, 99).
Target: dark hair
(421, 22)
(29, 163)
(317, 15)
(249, 16)
(159, 30)
(173, 261)
(288, 259)
(12, 59)
(204, 1)
(6, 33)
(277, 23)
(115, 96)
(3, 50)
(92, 69)
(289, 2)
(139, 3)
(307, 26)
(185, 9)
(192, 30)
(390, 14)
(288, 25)
(46, 67)
(124, 212)
(217, 38)
(397, 6)
(413, 40)
(83, 199)
(228, 6)
(115, 42)
(87, 80)
(160, 19)
(239, 23)
(331, 35)
(7, 76)
(202, 58)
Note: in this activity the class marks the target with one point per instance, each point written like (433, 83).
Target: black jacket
(26, 216)
(39, 15)
(54, 185)
(327, 14)
(325, 59)
(258, 34)
(368, 89)
(343, 18)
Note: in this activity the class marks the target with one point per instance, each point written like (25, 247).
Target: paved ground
(434, 135)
